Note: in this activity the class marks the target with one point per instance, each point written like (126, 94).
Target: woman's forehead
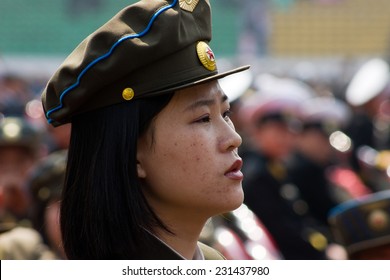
(201, 93)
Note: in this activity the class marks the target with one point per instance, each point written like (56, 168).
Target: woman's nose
(231, 140)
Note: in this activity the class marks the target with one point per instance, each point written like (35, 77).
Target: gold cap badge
(188, 5)
(206, 56)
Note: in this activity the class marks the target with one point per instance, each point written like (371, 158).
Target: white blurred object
(275, 95)
(271, 86)
(236, 85)
(340, 141)
(369, 81)
(326, 109)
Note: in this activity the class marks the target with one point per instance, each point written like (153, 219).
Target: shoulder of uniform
(210, 253)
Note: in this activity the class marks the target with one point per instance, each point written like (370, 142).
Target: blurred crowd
(32, 166)
(316, 169)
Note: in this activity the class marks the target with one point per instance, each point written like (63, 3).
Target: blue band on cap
(352, 203)
(90, 65)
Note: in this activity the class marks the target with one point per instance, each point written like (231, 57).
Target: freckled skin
(184, 171)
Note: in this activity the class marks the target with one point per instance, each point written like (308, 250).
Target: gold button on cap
(128, 94)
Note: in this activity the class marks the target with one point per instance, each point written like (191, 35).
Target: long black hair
(103, 211)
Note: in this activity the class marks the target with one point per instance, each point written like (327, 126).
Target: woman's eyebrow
(204, 102)
(200, 103)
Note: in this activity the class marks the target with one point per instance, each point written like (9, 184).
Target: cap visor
(199, 81)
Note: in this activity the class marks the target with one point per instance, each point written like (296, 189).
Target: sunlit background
(280, 33)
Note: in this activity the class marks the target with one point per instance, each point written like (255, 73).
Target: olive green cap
(151, 47)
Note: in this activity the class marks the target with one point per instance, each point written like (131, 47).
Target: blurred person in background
(45, 182)
(271, 118)
(368, 93)
(362, 226)
(20, 147)
(322, 118)
(19, 151)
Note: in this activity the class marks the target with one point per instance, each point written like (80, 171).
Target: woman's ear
(140, 170)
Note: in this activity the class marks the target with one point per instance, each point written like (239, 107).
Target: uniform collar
(161, 250)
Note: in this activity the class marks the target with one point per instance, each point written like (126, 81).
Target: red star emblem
(210, 54)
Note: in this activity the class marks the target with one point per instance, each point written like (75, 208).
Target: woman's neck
(185, 235)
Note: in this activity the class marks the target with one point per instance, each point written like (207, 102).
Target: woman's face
(274, 139)
(188, 157)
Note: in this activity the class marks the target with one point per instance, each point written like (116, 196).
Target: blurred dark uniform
(268, 192)
(280, 208)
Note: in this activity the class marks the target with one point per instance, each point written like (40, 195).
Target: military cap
(362, 223)
(368, 82)
(260, 110)
(275, 98)
(16, 131)
(47, 177)
(269, 85)
(149, 48)
(325, 113)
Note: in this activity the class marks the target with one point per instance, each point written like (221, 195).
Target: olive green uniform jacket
(158, 250)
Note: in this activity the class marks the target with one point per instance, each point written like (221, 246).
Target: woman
(153, 153)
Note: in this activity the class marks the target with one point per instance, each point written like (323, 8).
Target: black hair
(104, 214)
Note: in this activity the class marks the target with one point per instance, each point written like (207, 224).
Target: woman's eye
(204, 119)
(226, 115)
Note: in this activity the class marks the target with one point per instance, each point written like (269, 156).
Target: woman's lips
(234, 171)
